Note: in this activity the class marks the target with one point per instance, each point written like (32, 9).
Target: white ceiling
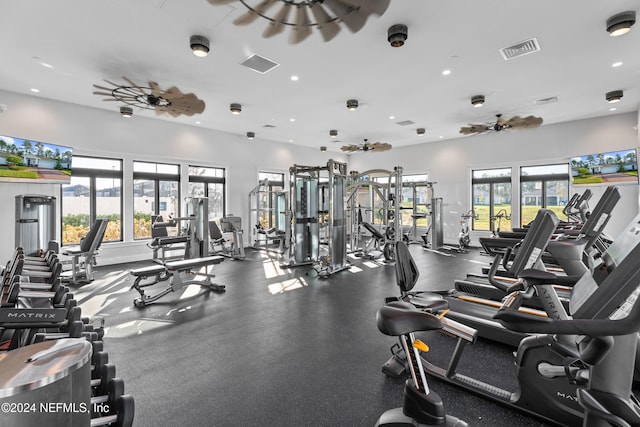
(148, 40)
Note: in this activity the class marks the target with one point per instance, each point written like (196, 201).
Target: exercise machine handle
(520, 322)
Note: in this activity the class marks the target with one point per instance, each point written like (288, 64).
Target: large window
(543, 187)
(156, 191)
(491, 192)
(94, 192)
(209, 183)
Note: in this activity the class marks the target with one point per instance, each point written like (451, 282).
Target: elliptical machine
(421, 407)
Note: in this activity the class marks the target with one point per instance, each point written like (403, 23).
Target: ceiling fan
(171, 101)
(376, 147)
(308, 14)
(515, 122)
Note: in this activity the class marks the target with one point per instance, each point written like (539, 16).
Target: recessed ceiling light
(392, 117)
(34, 90)
(291, 140)
(613, 109)
(292, 119)
(441, 137)
(616, 64)
(446, 72)
(294, 78)
(197, 122)
(251, 135)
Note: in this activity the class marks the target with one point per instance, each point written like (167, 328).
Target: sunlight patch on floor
(354, 269)
(272, 269)
(287, 285)
(190, 291)
(96, 304)
(371, 264)
(135, 327)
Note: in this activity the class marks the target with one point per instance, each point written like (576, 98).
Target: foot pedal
(396, 366)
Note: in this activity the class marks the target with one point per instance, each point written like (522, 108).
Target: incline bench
(171, 270)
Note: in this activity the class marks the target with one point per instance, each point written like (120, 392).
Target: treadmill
(478, 313)
(498, 245)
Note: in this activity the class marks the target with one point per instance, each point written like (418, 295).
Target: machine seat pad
(188, 264)
(164, 241)
(429, 300)
(400, 318)
(371, 229)
(147, 271)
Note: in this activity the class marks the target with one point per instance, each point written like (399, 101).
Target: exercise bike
(464, 241)
(502, 214)
(422, 406)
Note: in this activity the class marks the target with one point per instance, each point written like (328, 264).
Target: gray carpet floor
(281, 347)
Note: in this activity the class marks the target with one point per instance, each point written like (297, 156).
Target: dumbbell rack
(60, 339)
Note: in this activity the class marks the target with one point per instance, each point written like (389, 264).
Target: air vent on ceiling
(520, 49)
(259, 64)
(405, 123)
(549, 100)
(268, 126)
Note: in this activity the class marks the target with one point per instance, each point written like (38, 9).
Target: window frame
(93, 175)
(156, 178)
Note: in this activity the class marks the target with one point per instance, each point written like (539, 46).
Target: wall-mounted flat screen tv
(26, 160)
(613, 168)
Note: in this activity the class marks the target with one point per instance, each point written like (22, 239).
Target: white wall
(103, 133)
(449, 163)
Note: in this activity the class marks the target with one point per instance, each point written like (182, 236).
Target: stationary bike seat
(400, 318)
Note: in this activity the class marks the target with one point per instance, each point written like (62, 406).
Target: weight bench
(171, 271)
(373, 248)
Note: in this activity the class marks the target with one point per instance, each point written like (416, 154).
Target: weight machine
(195, 235)
(317, 197)
(376, 192)
(421, 196)
(271, 219)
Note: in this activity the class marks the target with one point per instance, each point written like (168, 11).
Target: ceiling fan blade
(379, 146)
(103, 93)
(182, 103)
(349, 14)
(103, 88)
(277, 26)
(533, 121)
(252, 15)
(302, 28)
(327, 26)
(369, 7)
(350, 148)
(132, 84)
(468, 130)
(111, 83)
